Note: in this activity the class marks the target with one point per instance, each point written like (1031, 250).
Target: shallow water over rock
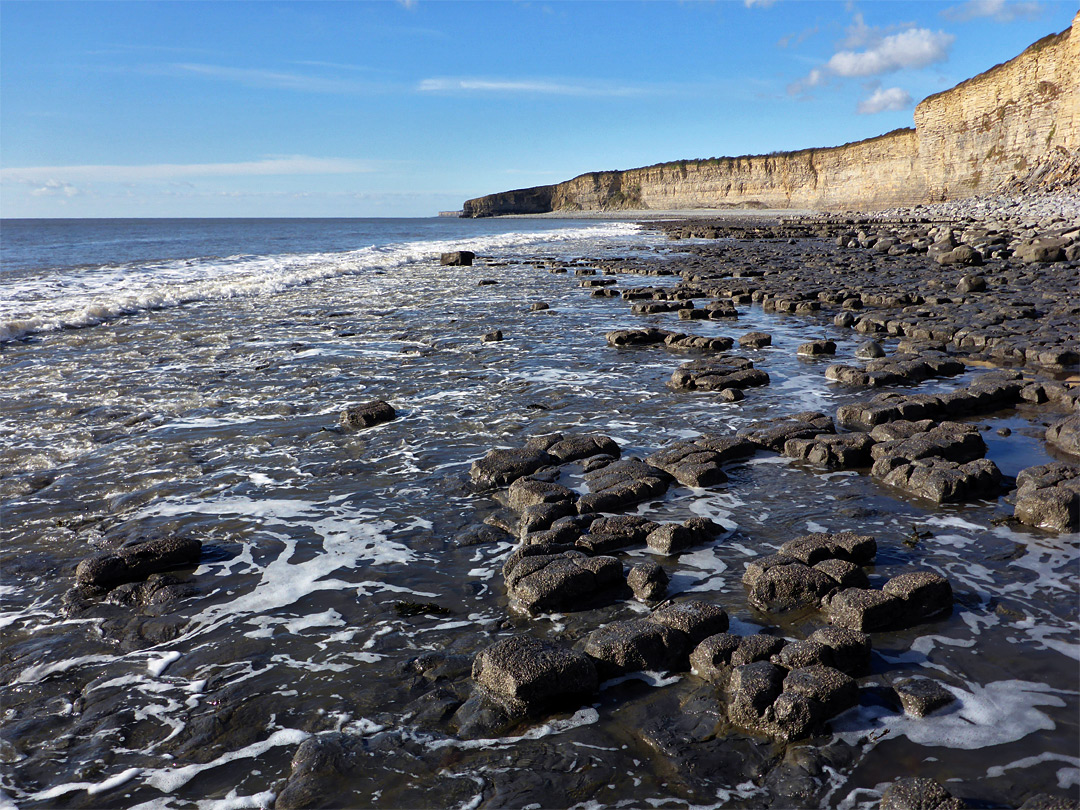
(333, 559)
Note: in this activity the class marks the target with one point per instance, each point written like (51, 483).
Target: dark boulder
(621, 484)
(648, 581)
(633, 645)
(457, 258)
(502, 467)
(367, 414)
(534, 675)
(920, 696)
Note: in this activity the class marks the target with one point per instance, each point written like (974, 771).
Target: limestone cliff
(1015, 126)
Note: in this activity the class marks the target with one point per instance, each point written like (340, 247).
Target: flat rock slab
(533, 674)
(842, 451)
(563, 581)
(619, 531)
(716, 374)
(773, 434)
(621, 484)
(938, 480)
(953, 441)
(502, 467)
(1048, 497)
(696, 619)
(896, 370)
(138, 562)
(673, 537)
(367, 414)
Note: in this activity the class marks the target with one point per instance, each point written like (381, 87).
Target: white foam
(158, 665)
(997, 713)
(109, 292)
(172, 779)
(92, 788)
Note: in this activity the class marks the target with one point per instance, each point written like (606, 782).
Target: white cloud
(914, 48)
(524, 86)
(54, 188)
(288, 165)
(759, 3)
(892, 98)
(999, 10)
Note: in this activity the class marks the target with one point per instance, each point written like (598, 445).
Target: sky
(369, 109)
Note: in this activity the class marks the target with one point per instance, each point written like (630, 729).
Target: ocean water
(185, 377)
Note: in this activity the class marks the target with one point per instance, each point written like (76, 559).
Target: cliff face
(1016, 125)
(1006, 123)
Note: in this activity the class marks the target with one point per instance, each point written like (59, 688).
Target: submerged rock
(918, 793)
(137, 562)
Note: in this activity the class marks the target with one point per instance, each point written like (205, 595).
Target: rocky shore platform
(744, 513)
(985, 289)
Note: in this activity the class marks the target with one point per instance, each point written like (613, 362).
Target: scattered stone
(816, 348)
(920, 696)
(716, 374)
(492, 337)
(457, 258)
(648, 581)
(367, 414)
(918, 793)
(755, 340)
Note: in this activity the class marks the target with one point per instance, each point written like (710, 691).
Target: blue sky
(405, 108)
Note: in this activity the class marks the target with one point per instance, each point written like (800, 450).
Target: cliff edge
(1014, 127)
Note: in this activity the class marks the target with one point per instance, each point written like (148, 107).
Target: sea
(185, 378)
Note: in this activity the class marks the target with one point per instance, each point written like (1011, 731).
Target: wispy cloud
(759, 3)
(882, 99)
(277, 79)
(999, 10)
(54, 188)
(526, 87)
(62, 176)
